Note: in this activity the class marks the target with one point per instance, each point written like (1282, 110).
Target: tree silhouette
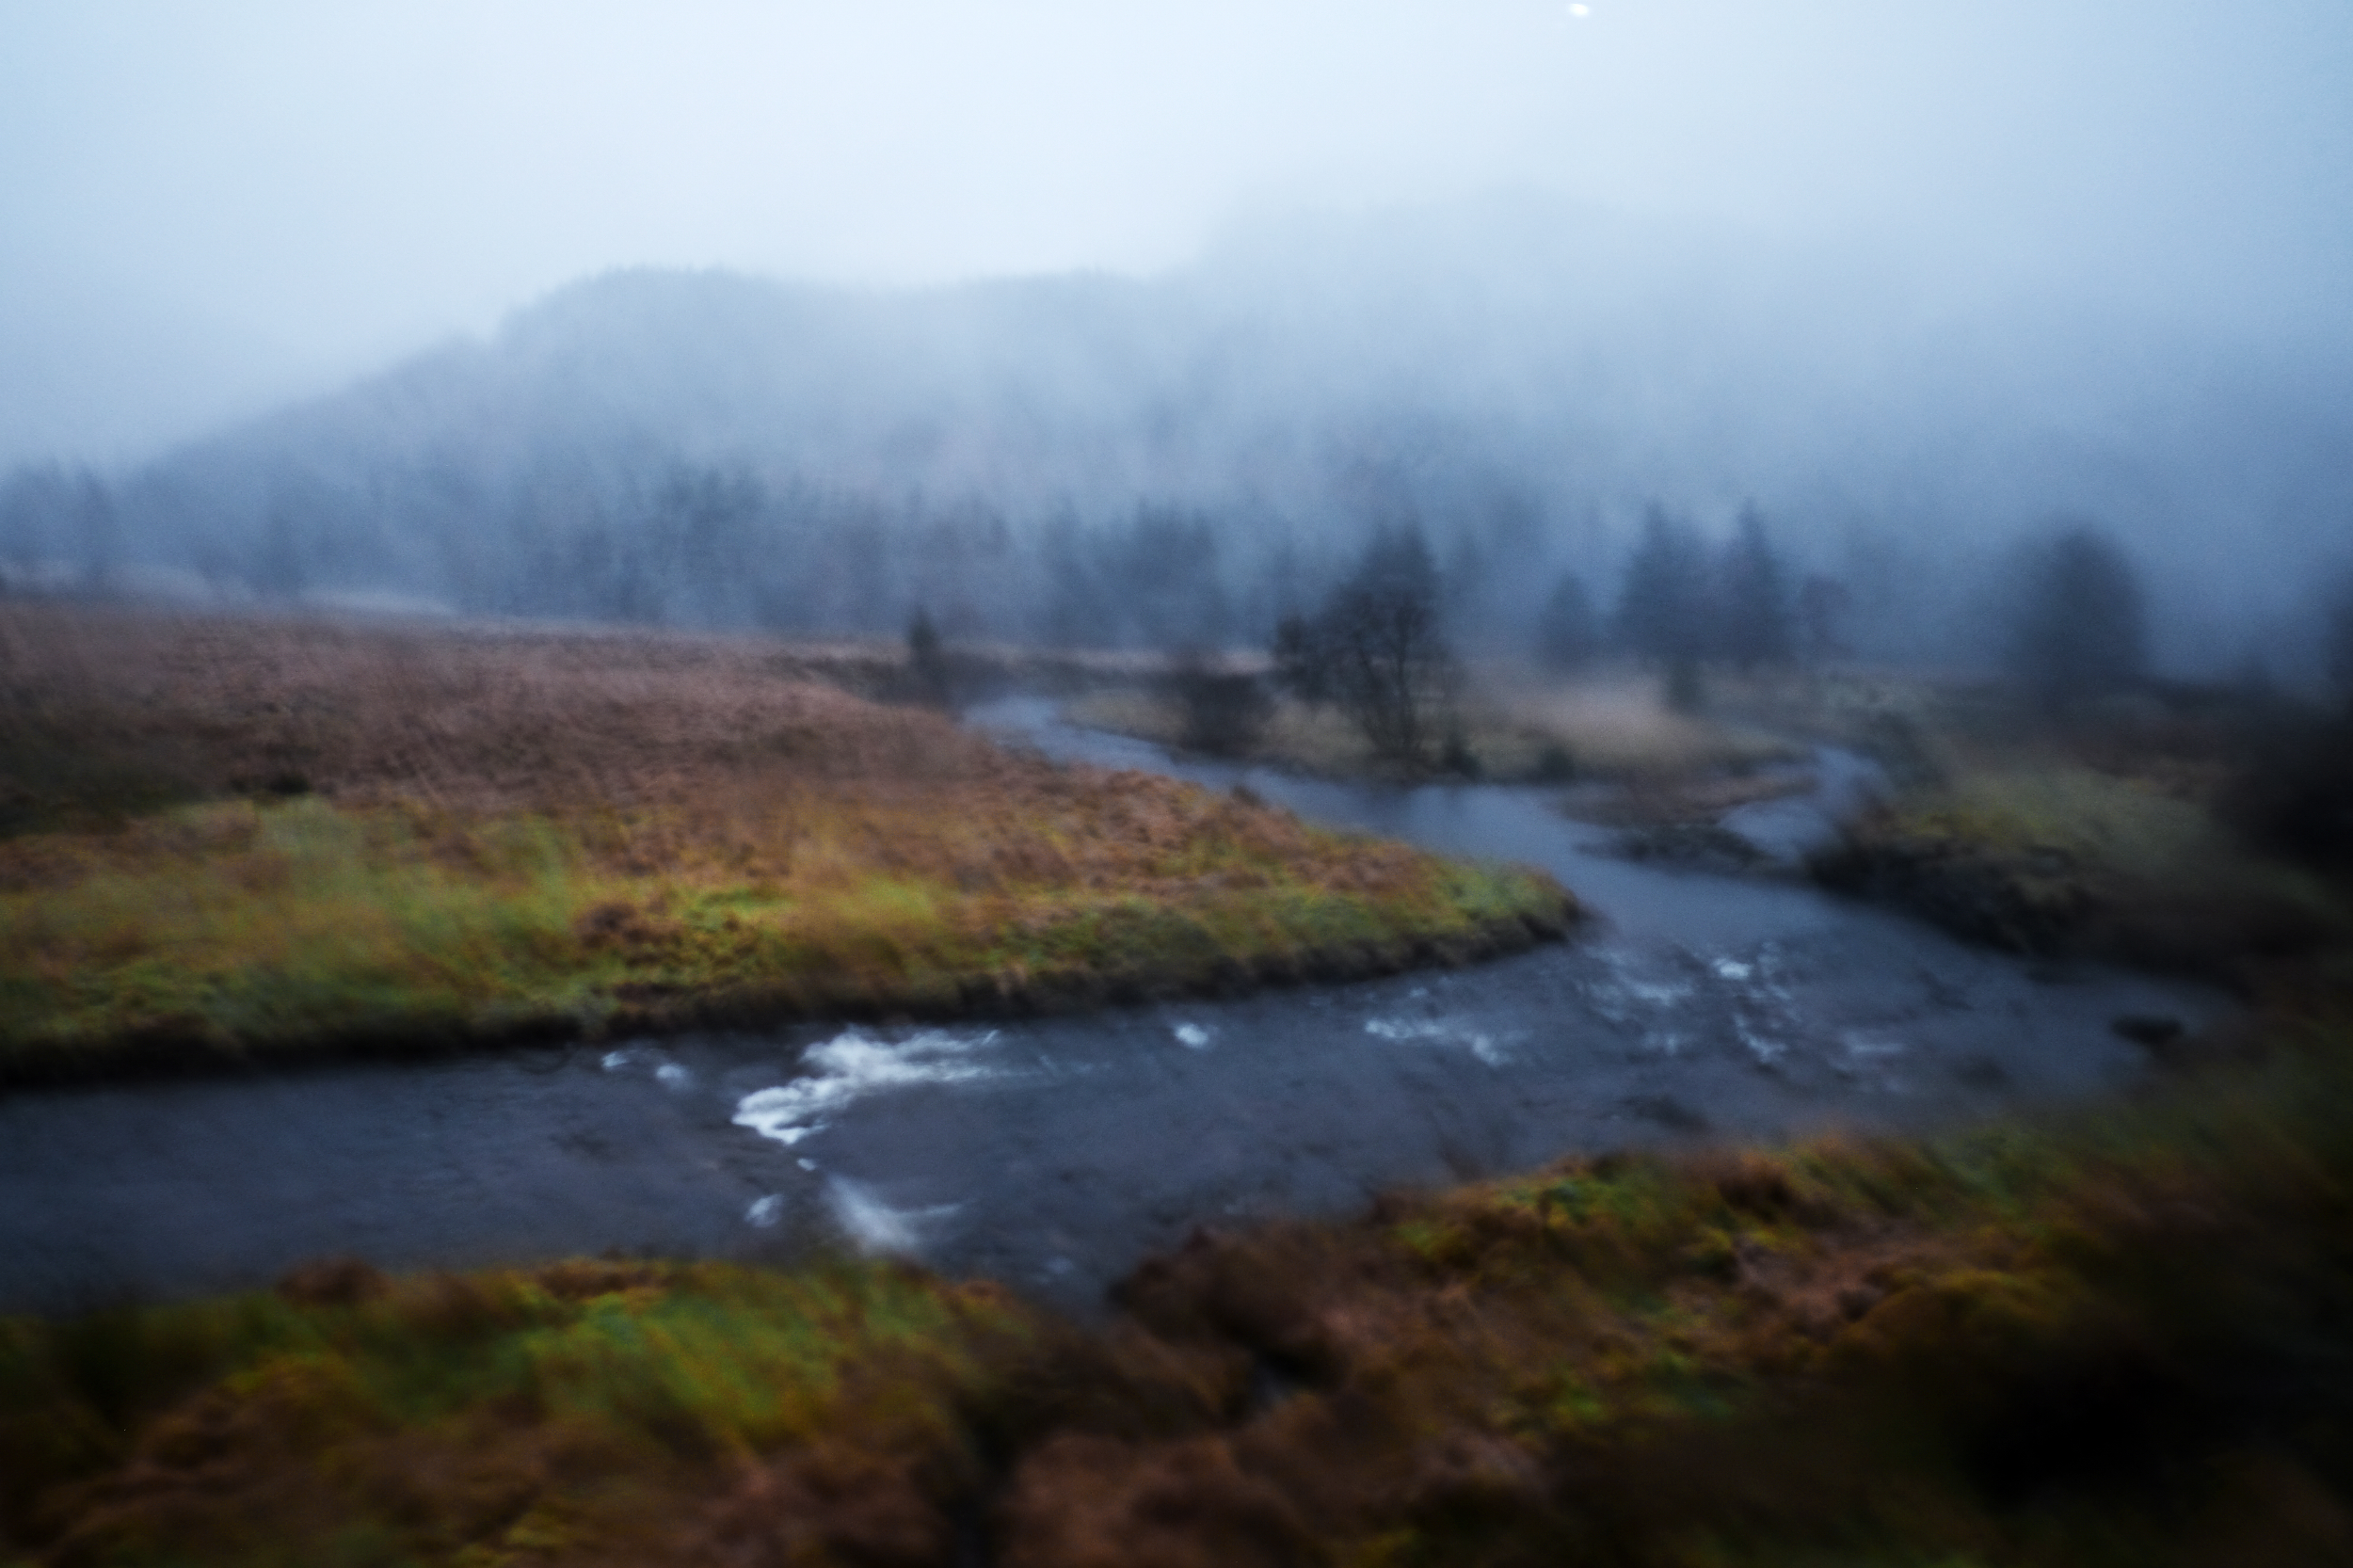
(1662, 608)
(1222, 710)
(1753, 621)
(928, 675)
(1567, 632)
(1377, 646)
(1303, 659)
(2079, 628)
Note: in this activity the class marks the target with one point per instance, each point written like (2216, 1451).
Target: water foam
(1624, 995)
(853, 1065)
(1768, 1050)
(873, 1225)
(1438, 1032)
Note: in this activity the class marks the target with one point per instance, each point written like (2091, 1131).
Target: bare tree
(1389, 666)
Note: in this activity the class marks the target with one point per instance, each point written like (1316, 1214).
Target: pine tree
(2079, 629)
(1662, 608)
(1567, 635)
(1752, 624)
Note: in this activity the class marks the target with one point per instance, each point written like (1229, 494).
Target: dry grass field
(236, 837)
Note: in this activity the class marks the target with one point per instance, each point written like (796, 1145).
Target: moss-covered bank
(2048, 857)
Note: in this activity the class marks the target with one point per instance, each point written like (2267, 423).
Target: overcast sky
(202, 203)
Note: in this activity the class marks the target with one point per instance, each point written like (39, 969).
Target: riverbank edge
(1549, 913)
(2244, 936)
(1647, 1332)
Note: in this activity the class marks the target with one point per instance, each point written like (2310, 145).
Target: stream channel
(1054, 1153)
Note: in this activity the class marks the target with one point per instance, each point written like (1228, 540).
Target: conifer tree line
(707, 546)
(1685, 600)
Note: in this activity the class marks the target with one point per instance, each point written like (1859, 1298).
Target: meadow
(239, 839)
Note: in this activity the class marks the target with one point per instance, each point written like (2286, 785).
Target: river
(1053, 1153)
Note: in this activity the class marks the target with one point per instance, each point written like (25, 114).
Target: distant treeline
(1189, 461)
(718, 548)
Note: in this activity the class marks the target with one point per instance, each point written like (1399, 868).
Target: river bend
(1052, 1153)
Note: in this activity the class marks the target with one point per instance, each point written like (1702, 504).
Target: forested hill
(1097, 460)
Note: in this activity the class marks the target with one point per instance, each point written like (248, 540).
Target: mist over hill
(1179, 460)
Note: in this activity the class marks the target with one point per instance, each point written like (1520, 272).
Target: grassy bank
(587, 1413)
(2062, 859)
(2118, 834)
(238, 839)
(2119, 1340)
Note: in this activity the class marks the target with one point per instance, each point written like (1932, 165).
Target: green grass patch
(2060, 858)
(477, 1418)
(306, 925)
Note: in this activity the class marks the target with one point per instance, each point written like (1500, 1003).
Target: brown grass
(474, 719)
(390, 835)
(1615, 725)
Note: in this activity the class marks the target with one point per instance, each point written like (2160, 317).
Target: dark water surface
(1053, 1153)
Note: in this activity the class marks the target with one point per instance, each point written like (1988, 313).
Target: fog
(797, 318)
